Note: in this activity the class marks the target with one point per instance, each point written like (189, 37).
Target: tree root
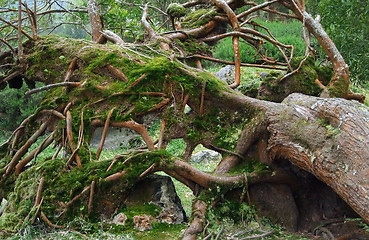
(34, 153)
(161, 134)
(70, 141)
(135, 82)
(71, 68)
(115, 176)
(139, 128)
(25, 147)
(43, 216)
(148, 171)
(155, 107)
(53, 112)
(117, 73)
(91, 197)
(201, 111)
(104, 133)
(199, 208)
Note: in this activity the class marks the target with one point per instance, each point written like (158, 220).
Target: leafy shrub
(15, 106)
(289, 33)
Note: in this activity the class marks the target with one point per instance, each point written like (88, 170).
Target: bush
(288, 33)
(15, 106)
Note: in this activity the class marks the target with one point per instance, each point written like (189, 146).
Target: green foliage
(15, 106)
(348, 26)
(289, 33)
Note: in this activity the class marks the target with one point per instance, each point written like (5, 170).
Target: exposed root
(139, 128)
(43, 216)
(220, 232)
(198, 213)
(232, 63)
(155, 107)
(34, 153)
(91, 197)
(104, 133)
(135, 82)
(161, 134)
(70, 141)
(117, 73)
(201, 111)
(37, 210)
(77, 197)
(185, 100)
(17, 133)
(25, 148)
(53, 112)
(237, 62)
(355, 96)
(115, 176)
(71, 68)
(148, 171)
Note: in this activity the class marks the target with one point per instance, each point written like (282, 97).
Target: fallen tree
(91, 85)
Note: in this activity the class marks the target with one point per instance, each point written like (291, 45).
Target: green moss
(176, 10)
(198, 18)
(303, 81)
(339, 88)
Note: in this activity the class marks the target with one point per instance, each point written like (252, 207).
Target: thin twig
(257, 236)
(47, 87)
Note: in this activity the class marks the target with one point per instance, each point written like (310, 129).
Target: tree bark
(95, 19)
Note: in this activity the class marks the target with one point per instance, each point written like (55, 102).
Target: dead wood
(54, 85)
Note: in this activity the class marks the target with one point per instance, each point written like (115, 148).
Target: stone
(276, 202)
(226, 74)
(206, 156)
(160, 191)
(142, 223)
(119, 219)
(115, 138)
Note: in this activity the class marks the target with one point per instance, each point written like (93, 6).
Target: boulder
(206, 156)
(226, 74)
(115, 138)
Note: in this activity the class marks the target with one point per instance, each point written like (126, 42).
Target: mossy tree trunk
(120, 85)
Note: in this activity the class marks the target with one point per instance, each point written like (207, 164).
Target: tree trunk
(95, 19)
